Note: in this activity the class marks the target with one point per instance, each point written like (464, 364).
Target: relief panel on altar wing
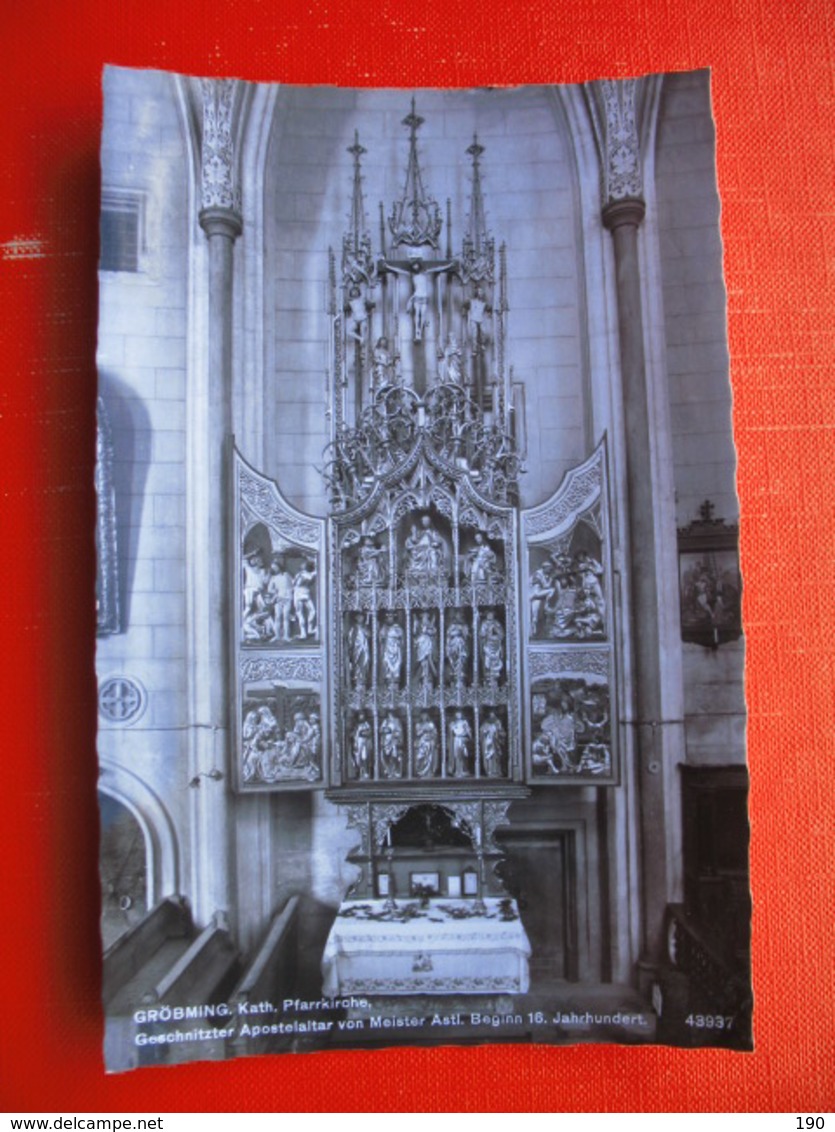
(281, 733)
(571, 727)
(278, 639)
(569, 662)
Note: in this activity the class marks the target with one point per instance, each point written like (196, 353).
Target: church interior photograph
(420, 656)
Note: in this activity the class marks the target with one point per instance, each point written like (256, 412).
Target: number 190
(807, 1122)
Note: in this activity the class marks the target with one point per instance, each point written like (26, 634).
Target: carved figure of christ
(419, 270)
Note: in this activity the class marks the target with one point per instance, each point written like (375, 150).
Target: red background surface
(774, 99)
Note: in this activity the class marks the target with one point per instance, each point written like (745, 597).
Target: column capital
(219, 221)
(628, 211)
(616, 107)
(220, 143)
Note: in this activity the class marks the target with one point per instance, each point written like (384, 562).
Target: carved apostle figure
(480, 564)
(491, 644)
(362, 742)
(359, 652)
(370, 568)
(425, 642)
(492, 737)
(425, 553)
(391, 746)
(391, 650)
(460, 749)
(426, 747)
(457, 647)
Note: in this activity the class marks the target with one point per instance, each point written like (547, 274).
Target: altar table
(439, 949)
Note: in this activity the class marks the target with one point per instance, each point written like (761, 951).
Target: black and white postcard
(420, 656)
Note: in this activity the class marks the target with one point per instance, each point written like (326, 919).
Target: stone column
(622, 214)
(622, 218)
(220, 219)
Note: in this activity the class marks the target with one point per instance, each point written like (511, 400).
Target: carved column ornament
(219, 187)
(613, 107)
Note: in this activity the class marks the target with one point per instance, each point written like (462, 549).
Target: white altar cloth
(431, 952)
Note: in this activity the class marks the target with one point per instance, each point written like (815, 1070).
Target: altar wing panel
(569, 687)
(279, 626)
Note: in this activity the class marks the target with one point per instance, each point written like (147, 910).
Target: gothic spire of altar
(478, 245)
(418, 339)
(357, 258)
(415, 217)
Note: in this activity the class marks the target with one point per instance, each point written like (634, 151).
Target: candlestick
(479, 906)
(390, 904)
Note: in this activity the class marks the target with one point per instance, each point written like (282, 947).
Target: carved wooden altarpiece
(427, 640)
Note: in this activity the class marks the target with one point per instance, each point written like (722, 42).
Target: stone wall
(699, 387)
(142, 379)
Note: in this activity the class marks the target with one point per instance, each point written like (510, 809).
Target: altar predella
(420, 657)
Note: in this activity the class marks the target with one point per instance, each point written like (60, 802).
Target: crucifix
(415, 225)
(419, 271)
